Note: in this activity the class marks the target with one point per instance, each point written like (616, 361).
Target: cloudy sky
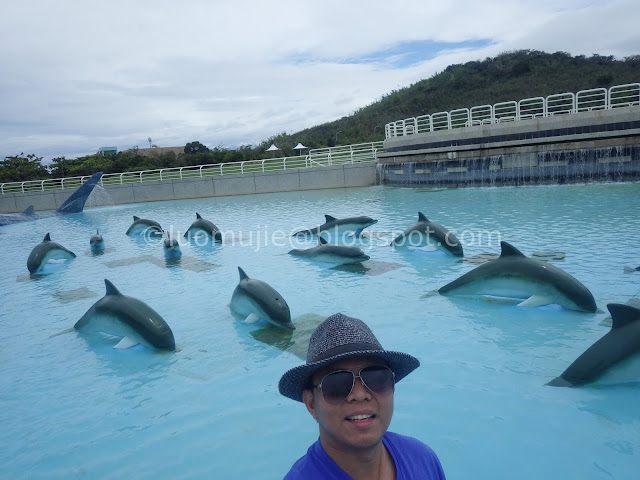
(77, 75)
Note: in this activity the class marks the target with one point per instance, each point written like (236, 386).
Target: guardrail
(627, 95)
(319, 157)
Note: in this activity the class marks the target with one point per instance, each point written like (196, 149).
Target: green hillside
(509, 76)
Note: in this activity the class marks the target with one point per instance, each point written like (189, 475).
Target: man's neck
(373, 463)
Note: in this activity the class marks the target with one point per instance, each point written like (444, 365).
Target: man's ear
(309, 402)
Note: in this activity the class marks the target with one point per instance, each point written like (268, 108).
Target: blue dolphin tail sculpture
(73, 204)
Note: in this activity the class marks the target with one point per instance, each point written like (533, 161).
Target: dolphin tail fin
(75, 203)
(559, 382)
(622, 315)
(29, 211)
(126, 342)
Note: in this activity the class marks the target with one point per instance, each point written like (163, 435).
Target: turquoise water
(71, 406)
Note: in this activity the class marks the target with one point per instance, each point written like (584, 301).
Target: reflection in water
(171, 262)
(369, 267)
(68, 296)
(481, 258)
(295, 341)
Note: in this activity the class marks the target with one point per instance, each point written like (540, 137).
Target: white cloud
(78, 75)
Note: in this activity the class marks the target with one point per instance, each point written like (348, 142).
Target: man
(347, 385)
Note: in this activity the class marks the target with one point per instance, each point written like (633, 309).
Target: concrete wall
(578, 127)
(341, 176)
(587, 146)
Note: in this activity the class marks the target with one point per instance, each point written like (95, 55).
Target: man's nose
(359, 391)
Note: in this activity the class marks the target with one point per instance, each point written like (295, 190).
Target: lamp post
(339, 131)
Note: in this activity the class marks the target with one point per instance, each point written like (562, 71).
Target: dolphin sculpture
(73, 204)
(339, 226)
(338, 254)
(129, 318)
(255, 300)
(534, 282)
(619, 348)
(172, 248)
(143, 226)
(96, 242)
(47, 252)
(203, 225)
(426, 233)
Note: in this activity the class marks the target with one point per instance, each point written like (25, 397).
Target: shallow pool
(71, 406)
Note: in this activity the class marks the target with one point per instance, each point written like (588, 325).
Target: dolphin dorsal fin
(242, 274)
(198, 217)
(329, 218)
(422, 218)
(622, 315)
(321, 240)
(111, 289)
(135, 218)
(29, 211)
(509, 250)
(47, 238)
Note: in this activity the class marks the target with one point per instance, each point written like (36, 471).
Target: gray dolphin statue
(619, 348)
(129, 318)
(47, 252)
(96, 242)
(337, 254)
(426, 233)
(73, 204)
(335, 227)
(203, 225)
(531, 281)
(255, 300)
(171, 248)
(143, 226)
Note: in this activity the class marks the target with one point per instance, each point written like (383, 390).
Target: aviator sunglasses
(337, 386)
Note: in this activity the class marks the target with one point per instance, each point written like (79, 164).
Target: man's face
(357, 423)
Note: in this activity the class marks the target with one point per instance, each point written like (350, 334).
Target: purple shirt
(413, 459)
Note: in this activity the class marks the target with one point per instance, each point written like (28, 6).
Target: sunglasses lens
(379, 380)
(336, 386)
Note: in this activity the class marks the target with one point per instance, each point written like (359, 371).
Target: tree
(19, 168)
(195, 147)
(57, 167)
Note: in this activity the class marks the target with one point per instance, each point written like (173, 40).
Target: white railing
(319, 157)
(627, 95)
